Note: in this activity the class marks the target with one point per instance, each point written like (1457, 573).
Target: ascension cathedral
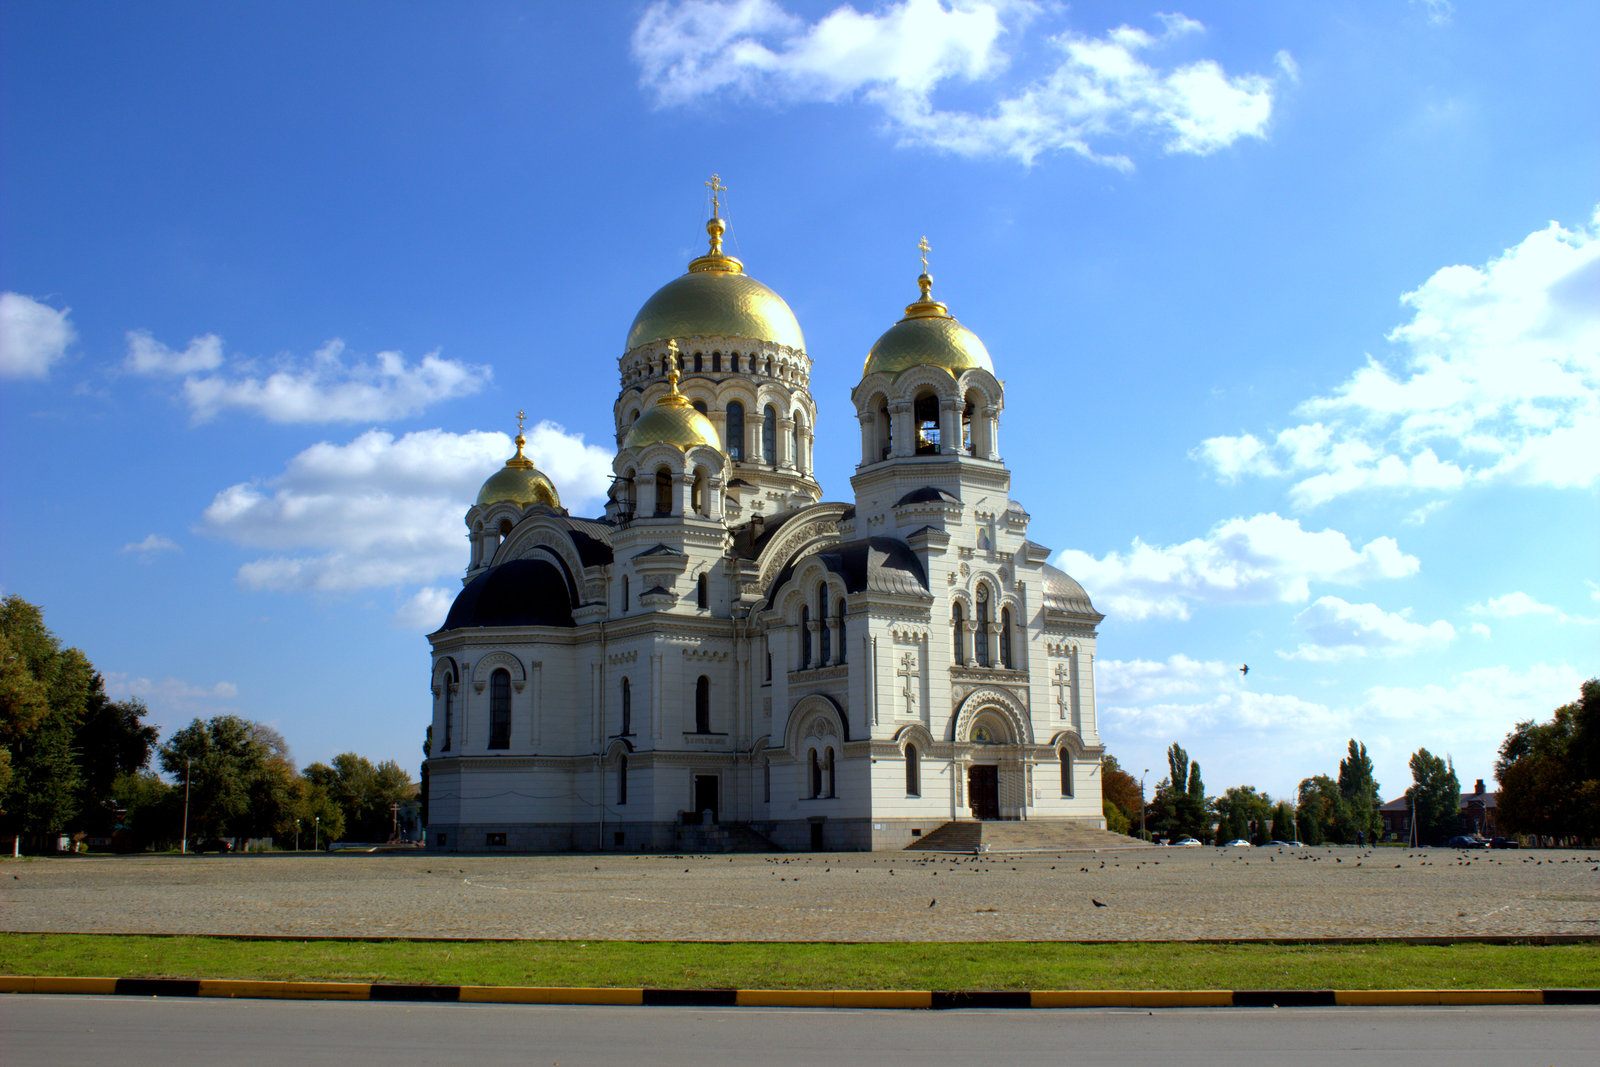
(725, 657)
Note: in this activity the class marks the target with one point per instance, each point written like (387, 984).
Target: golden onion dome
(519, 481)
(716, 298)
(929, 336)
(672, 420)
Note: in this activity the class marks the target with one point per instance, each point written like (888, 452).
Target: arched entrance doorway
(989, 733)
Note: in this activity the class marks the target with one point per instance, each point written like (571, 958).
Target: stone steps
(1032, 835)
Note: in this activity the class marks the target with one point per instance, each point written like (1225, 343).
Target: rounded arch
(1002, 706)
(815, 720)
(499, 660)
(917, 380)
(914, 734)
(1068, 741)
(445, 670)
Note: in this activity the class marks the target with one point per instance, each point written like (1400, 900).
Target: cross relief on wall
(908, 672)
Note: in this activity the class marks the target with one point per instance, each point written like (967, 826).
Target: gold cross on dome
(926, 248)
(520, 417)
(717, 188)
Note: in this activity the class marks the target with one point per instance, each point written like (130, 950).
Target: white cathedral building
(725, 652)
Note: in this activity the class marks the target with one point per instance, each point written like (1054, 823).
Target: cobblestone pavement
(1149, 894)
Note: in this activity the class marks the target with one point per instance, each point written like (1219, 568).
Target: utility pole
(297, 835)
(317, 840)
(184, 844)
(1142, 835)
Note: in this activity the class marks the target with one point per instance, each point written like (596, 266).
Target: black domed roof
(523, 592)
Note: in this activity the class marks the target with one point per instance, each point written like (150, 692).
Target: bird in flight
(1245, 669)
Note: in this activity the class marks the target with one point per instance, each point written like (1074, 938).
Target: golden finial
(519, 460)
(521, 415)
(717, 188)
(925, 248)
(672, 368)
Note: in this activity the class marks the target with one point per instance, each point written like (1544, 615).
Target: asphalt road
(122, 1030)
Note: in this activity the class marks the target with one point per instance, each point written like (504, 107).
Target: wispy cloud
(152, 545)
(386, 511)
(424, 610)
(1496, 380)
(33, 336)
(327, 387)
(1264, 559)
(1095, 90)
(1519, 604)
(1339, 630)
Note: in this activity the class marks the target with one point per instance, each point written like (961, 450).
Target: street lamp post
(297, 835)
(183, 846)
(1142, 835)
(317, 840)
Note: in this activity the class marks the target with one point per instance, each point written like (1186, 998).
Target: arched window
(702, 592)
(1066, 773)
(827, 766)
(816, 775)
(627, 707)
(624, 610)
(769, 436)
(794, 452)
(885, 429)
(697, 371)
(716, 362)
(449, 708)
(622, 780)
(766, 780)
(966, 429)
(735, 434)
(926, 413)
(913, 772)
(663, 492)
(702, 705)
(805, 639)
(958, 623)
(843, 644)
(699, 405)
(500, 709)
(697, 494)
(822, 617)
(980, 635)
(1005, 639)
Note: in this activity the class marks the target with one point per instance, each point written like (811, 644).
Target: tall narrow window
(913, 772)
(769, 436)
(966, 429)
(735, 434)
(702, 705)
(697, 371)
(700, 405)
(885, 430)
(663, 492)
(926, 413)
(958, 623)
(500, 709)
(624, 594)
(794, 453)
(816, 775)
(805, 639)
(449, 708)
(1005, 639)
(766, 781)
(702, 592)
(822, 617)
(827, 767)
(627, 707)
(697, 494)
(980, 636)
(843, 644)
(716, 362)
(622, 780)
(1066, 773)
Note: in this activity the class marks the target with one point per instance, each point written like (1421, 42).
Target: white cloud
(146, 355)
(1260, 560)
(327, 387)
(1514, 605)
(1340, 630)
(896, 59)
(152, 544)
(424, 610)
(173, 702)
(1440, 12)
(1478, 629)
(386, 511)
(1486, 701)
(1496, 379)
(1172, 699)
(32, 336)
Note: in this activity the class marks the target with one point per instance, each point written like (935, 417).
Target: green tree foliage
(236, 773)
(1243, 812)
(1283, 822)
(63, 742)
(1318, 809)
(422, 790)
(363, 794)
(1549, 773)
(1179, 806)
(1435, 798)
(152, 811)
(1358, 815)
(1116, 818)
(1121, 788)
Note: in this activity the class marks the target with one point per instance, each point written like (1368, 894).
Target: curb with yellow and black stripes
(934, 999)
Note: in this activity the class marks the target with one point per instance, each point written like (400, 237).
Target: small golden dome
(716, 298)
(519, 481)
(672, 420)
(929, 336)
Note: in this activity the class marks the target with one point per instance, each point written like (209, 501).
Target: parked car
(1237, 842)
(1186, 842)
(1287, 844)
(1466, 841)
(214, 844)
(1504, 842)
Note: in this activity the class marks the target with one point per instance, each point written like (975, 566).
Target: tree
(1318, 811)
(1549, 772)
(1116, 818)
(364, 795)
(1179, 806)
(1121, 788)
(1242, 812)
(1283, 822)
(1359, 816)
(1435, 798)
(236, 772)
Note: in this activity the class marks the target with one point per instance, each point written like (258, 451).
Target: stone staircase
(1032, 835)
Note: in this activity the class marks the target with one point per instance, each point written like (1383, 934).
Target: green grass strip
(763, 965)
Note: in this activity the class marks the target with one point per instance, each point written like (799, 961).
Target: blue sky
(1298, 308)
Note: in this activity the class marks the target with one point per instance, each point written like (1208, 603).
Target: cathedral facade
(725, 652)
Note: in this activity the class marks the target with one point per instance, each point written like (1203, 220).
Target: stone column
(904, 431)
(949, 426)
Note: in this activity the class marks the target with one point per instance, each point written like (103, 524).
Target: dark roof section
(1063, 593)
(657, 550)
(877, 564)
(523, 592)
(927, 495)
(752, 537)
(592, 539)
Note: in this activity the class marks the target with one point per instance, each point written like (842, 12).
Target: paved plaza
(1148, 894)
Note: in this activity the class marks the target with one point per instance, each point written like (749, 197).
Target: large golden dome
(929, 336)
(519, 482)
(672, 420)
(716, 298)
